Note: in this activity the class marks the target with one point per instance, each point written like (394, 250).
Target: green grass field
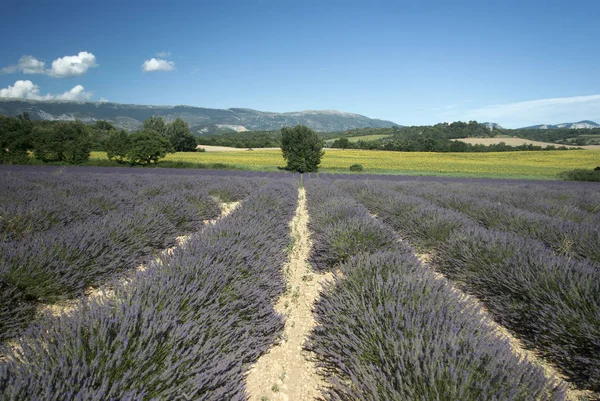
(532, 165)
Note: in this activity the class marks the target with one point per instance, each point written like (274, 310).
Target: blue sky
(516, 63)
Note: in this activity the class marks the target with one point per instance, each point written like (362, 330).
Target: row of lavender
(388, 328)
(186, 328)
(580, 204)
(61, 234)
(558, 223)
(550, 301)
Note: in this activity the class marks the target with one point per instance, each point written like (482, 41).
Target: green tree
(147, 147)
(63, 141)
(99, 133)
(180, 136)
(302, 149)
(15, 138)
(341, 143)
(156, 124)
(117, 146)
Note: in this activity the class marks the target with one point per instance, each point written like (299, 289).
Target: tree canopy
(302, 149)
(180, 136)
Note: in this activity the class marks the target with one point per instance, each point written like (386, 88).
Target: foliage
(341, 143)
(581, 175)
(156, 124)
(15, 138)
(99, 134)
(117, 145)
(244, 140)
(63, 141)
(147, 147)
(180, 136)
(302, 149)
(356, 167)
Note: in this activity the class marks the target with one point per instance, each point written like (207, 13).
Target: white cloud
(64, 67)
(103, 100)
(28, 90)
(23, 90)
(26, 65)
(163, 54)
(76, 93)
(72, 66)
(541, 111)
(31, 65)
(157, 64)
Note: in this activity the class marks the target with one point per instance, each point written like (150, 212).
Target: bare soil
(287, 371)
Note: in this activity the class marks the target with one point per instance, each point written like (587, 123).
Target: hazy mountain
(201, 120)
(577, 125)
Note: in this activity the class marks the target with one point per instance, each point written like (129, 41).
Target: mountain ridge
(200, 119)
(578, 125)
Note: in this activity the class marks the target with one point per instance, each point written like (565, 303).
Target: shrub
(188, 327)
(581, 175)
(388, 329)
(356, 167)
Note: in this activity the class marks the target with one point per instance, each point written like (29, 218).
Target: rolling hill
(201, 120)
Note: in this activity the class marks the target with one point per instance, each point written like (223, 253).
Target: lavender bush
(186, 328)
(69, 232)
(388, 329)
(341, 228)
(550, 301)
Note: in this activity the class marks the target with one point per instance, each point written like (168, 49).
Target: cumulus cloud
(26, 65)
(76, 93)
(28, 90)
(157, 64)
(72, 66)
(63, 67)
(541, 111)
(23, 90)
(163, 54)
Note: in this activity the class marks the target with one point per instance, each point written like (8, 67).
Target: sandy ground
(519, 141)
(287, 371)
(229, 149)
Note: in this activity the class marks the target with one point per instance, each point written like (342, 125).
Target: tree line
(432, 138)
(73, 141)
(429, 138)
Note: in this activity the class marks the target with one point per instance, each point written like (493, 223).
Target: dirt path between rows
(287, 371)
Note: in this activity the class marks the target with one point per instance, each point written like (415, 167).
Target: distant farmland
(517, 142)
(532, 165)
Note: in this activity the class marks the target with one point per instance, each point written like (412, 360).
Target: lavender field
(127, 284)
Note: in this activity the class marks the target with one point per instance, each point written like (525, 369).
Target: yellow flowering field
(539, 164)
